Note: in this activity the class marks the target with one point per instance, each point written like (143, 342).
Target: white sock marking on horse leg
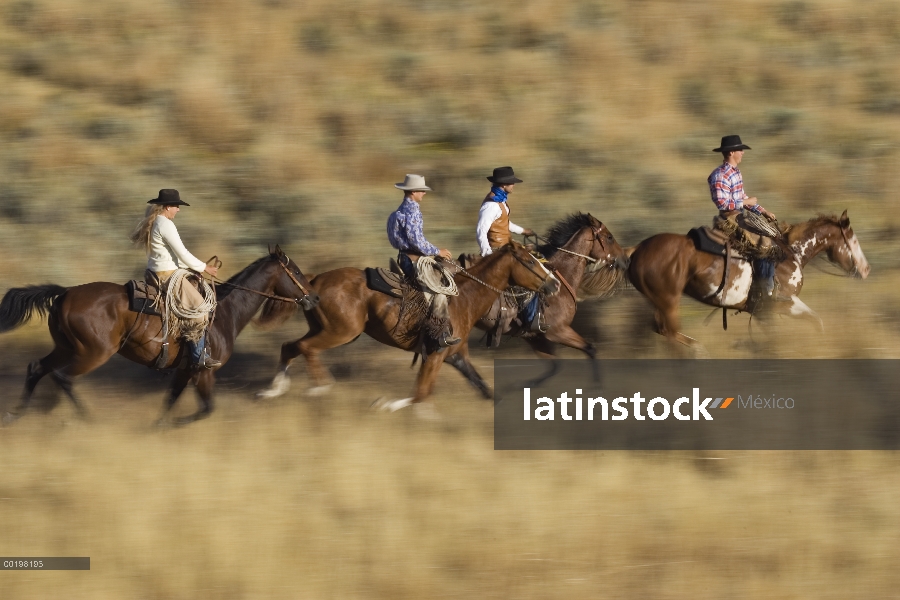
(281, 383)
(395, 405)
(319, 390)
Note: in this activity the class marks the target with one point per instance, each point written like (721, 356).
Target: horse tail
(20, 304)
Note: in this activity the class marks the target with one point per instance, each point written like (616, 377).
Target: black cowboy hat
(730, 143)
(168, 198)
(504, 176)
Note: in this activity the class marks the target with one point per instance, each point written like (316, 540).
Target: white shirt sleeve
(515, 228)
(490, 212)
(170, 237)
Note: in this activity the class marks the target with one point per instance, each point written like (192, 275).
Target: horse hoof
(319, 390)
(9, 417)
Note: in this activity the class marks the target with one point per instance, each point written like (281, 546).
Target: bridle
(849, 251)
(598, 263)
(284, 266)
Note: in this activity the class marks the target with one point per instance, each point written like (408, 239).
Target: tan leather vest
(498, 234)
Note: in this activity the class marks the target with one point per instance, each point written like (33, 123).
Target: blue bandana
(499, 194)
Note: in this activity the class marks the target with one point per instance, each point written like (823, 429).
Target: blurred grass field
(289, 122)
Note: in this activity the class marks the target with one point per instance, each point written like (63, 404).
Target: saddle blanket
(141, 297)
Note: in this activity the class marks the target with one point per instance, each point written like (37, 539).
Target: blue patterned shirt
(404, 229)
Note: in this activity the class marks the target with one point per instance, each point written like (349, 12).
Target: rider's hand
(214, 271)
(444, 253)
(527, 231)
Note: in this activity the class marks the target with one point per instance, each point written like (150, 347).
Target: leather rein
(267, 295)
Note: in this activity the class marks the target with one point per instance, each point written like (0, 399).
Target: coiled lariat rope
(187, 321)
(177, 279)
(431, 275)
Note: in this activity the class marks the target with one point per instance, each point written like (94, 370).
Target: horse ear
(278, 250)
(845, 220)
(270, 248)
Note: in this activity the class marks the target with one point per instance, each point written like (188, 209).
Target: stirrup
(445, 341)
(537, 324)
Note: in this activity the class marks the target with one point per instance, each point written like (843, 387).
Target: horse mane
(796, 231)
(273, 312)
(595, 283)
(603, 282)
(222, 290)
(563, 230)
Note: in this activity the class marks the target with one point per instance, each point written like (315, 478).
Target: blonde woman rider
(158, 235)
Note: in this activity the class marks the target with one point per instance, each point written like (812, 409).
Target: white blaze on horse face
(859, 259)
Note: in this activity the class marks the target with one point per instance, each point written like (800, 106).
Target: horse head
(842, 247)
(292, 283)
(605, 249)
(527, 271)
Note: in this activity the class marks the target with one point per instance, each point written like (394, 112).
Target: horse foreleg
(460, 361)
(424, 385)
(204, 384)
(182, 377)
(798, 308)
(567, 336)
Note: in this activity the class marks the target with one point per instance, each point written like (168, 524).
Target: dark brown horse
(588, 261)
(90, 323)
(667, 265)
(349, 308)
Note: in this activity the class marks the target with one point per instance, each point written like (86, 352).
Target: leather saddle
(388, 282)
(707, 239)
(142, 297)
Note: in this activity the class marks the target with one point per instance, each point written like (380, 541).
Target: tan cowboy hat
(413, 183)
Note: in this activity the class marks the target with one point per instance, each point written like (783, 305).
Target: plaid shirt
(404, 229)
(727, 189)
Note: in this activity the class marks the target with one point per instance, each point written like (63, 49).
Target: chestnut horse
(587, 260)
(667, 265)
(90, 323)
(349, 308)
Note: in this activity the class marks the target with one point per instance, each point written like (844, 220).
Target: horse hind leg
(37, 369)
(65, 383)
(309, 346)
(33, 375)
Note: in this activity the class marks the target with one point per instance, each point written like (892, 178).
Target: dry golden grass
(289, 122)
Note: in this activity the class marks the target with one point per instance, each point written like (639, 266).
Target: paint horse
(667, 265)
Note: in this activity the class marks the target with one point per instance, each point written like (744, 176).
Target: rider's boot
(200, 357)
